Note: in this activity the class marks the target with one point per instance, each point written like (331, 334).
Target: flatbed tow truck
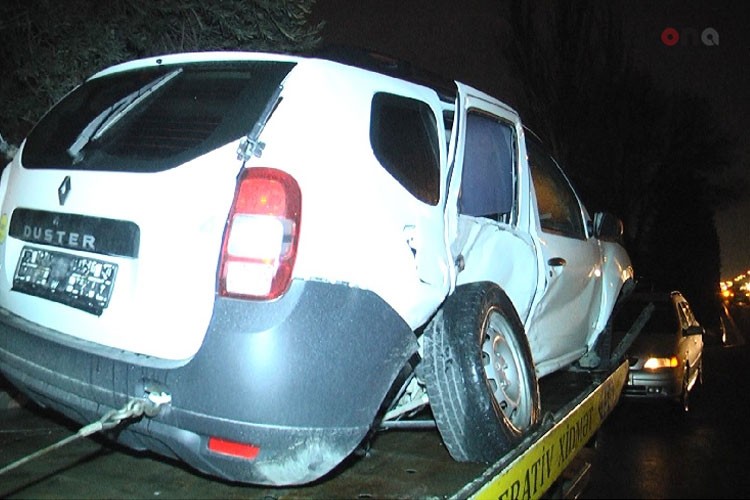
(552, 462)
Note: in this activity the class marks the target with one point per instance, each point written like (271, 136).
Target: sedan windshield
(663, 319)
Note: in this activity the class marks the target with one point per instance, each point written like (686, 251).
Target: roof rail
(387, 65)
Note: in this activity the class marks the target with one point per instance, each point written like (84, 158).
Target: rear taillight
(260, 239)
(233, 448)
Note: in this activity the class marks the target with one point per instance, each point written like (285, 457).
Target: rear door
(487, 226)
(117, 202)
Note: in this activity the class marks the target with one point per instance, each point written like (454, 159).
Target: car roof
(356, 58)
(385, 64)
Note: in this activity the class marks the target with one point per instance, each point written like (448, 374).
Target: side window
(404, 138)
(488, 177)
(687, 314)
(559, 210)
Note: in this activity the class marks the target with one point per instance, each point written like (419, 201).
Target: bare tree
(7, 150)
(47, 47)
(657, 159)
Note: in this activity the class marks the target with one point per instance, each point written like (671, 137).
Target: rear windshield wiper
(111, 115)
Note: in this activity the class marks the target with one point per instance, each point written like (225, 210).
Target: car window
(153, 119)
(404, 138)
(684, 321)
(559, 209)
(488, 172)
(687, 315)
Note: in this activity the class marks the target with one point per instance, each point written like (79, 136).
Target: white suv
(293, 251)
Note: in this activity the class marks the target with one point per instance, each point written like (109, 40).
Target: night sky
(459, 40)
(721, 74)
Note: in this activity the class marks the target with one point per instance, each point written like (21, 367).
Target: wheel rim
(506, 376)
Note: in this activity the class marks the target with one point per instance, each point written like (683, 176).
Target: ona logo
(689, 36)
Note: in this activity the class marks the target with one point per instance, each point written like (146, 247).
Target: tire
(479, 374)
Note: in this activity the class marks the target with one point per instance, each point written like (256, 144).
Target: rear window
(153, 119)
(404, 138)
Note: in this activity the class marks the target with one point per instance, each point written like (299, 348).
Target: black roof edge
(387, 65)
(530, 131)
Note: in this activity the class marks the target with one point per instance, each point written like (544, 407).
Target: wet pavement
(651, 450)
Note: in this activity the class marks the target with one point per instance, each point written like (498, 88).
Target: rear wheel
(479, 374)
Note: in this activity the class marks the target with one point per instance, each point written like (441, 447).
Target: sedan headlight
(656, 363)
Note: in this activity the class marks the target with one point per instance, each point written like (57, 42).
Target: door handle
(556, 262)
(410, 232)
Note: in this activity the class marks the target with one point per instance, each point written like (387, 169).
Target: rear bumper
(656, 385)
(302, 378)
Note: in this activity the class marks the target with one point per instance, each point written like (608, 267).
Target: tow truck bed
(399, 463)
(415, 464)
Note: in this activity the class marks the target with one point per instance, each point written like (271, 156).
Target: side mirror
(608, 227)
(694, 330)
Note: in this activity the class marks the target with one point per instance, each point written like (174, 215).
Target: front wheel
(479, 374)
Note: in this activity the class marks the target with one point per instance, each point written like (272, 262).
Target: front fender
(618, 280)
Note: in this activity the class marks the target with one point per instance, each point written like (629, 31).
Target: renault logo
(64, 190)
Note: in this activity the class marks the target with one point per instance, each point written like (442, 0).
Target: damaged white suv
(293, 252)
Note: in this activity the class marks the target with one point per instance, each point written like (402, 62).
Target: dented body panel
(304, 409)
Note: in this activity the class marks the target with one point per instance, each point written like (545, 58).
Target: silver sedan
(666, 358)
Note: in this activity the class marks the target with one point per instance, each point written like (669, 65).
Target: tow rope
(136, 407)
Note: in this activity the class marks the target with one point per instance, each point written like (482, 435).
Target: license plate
(79, 282)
